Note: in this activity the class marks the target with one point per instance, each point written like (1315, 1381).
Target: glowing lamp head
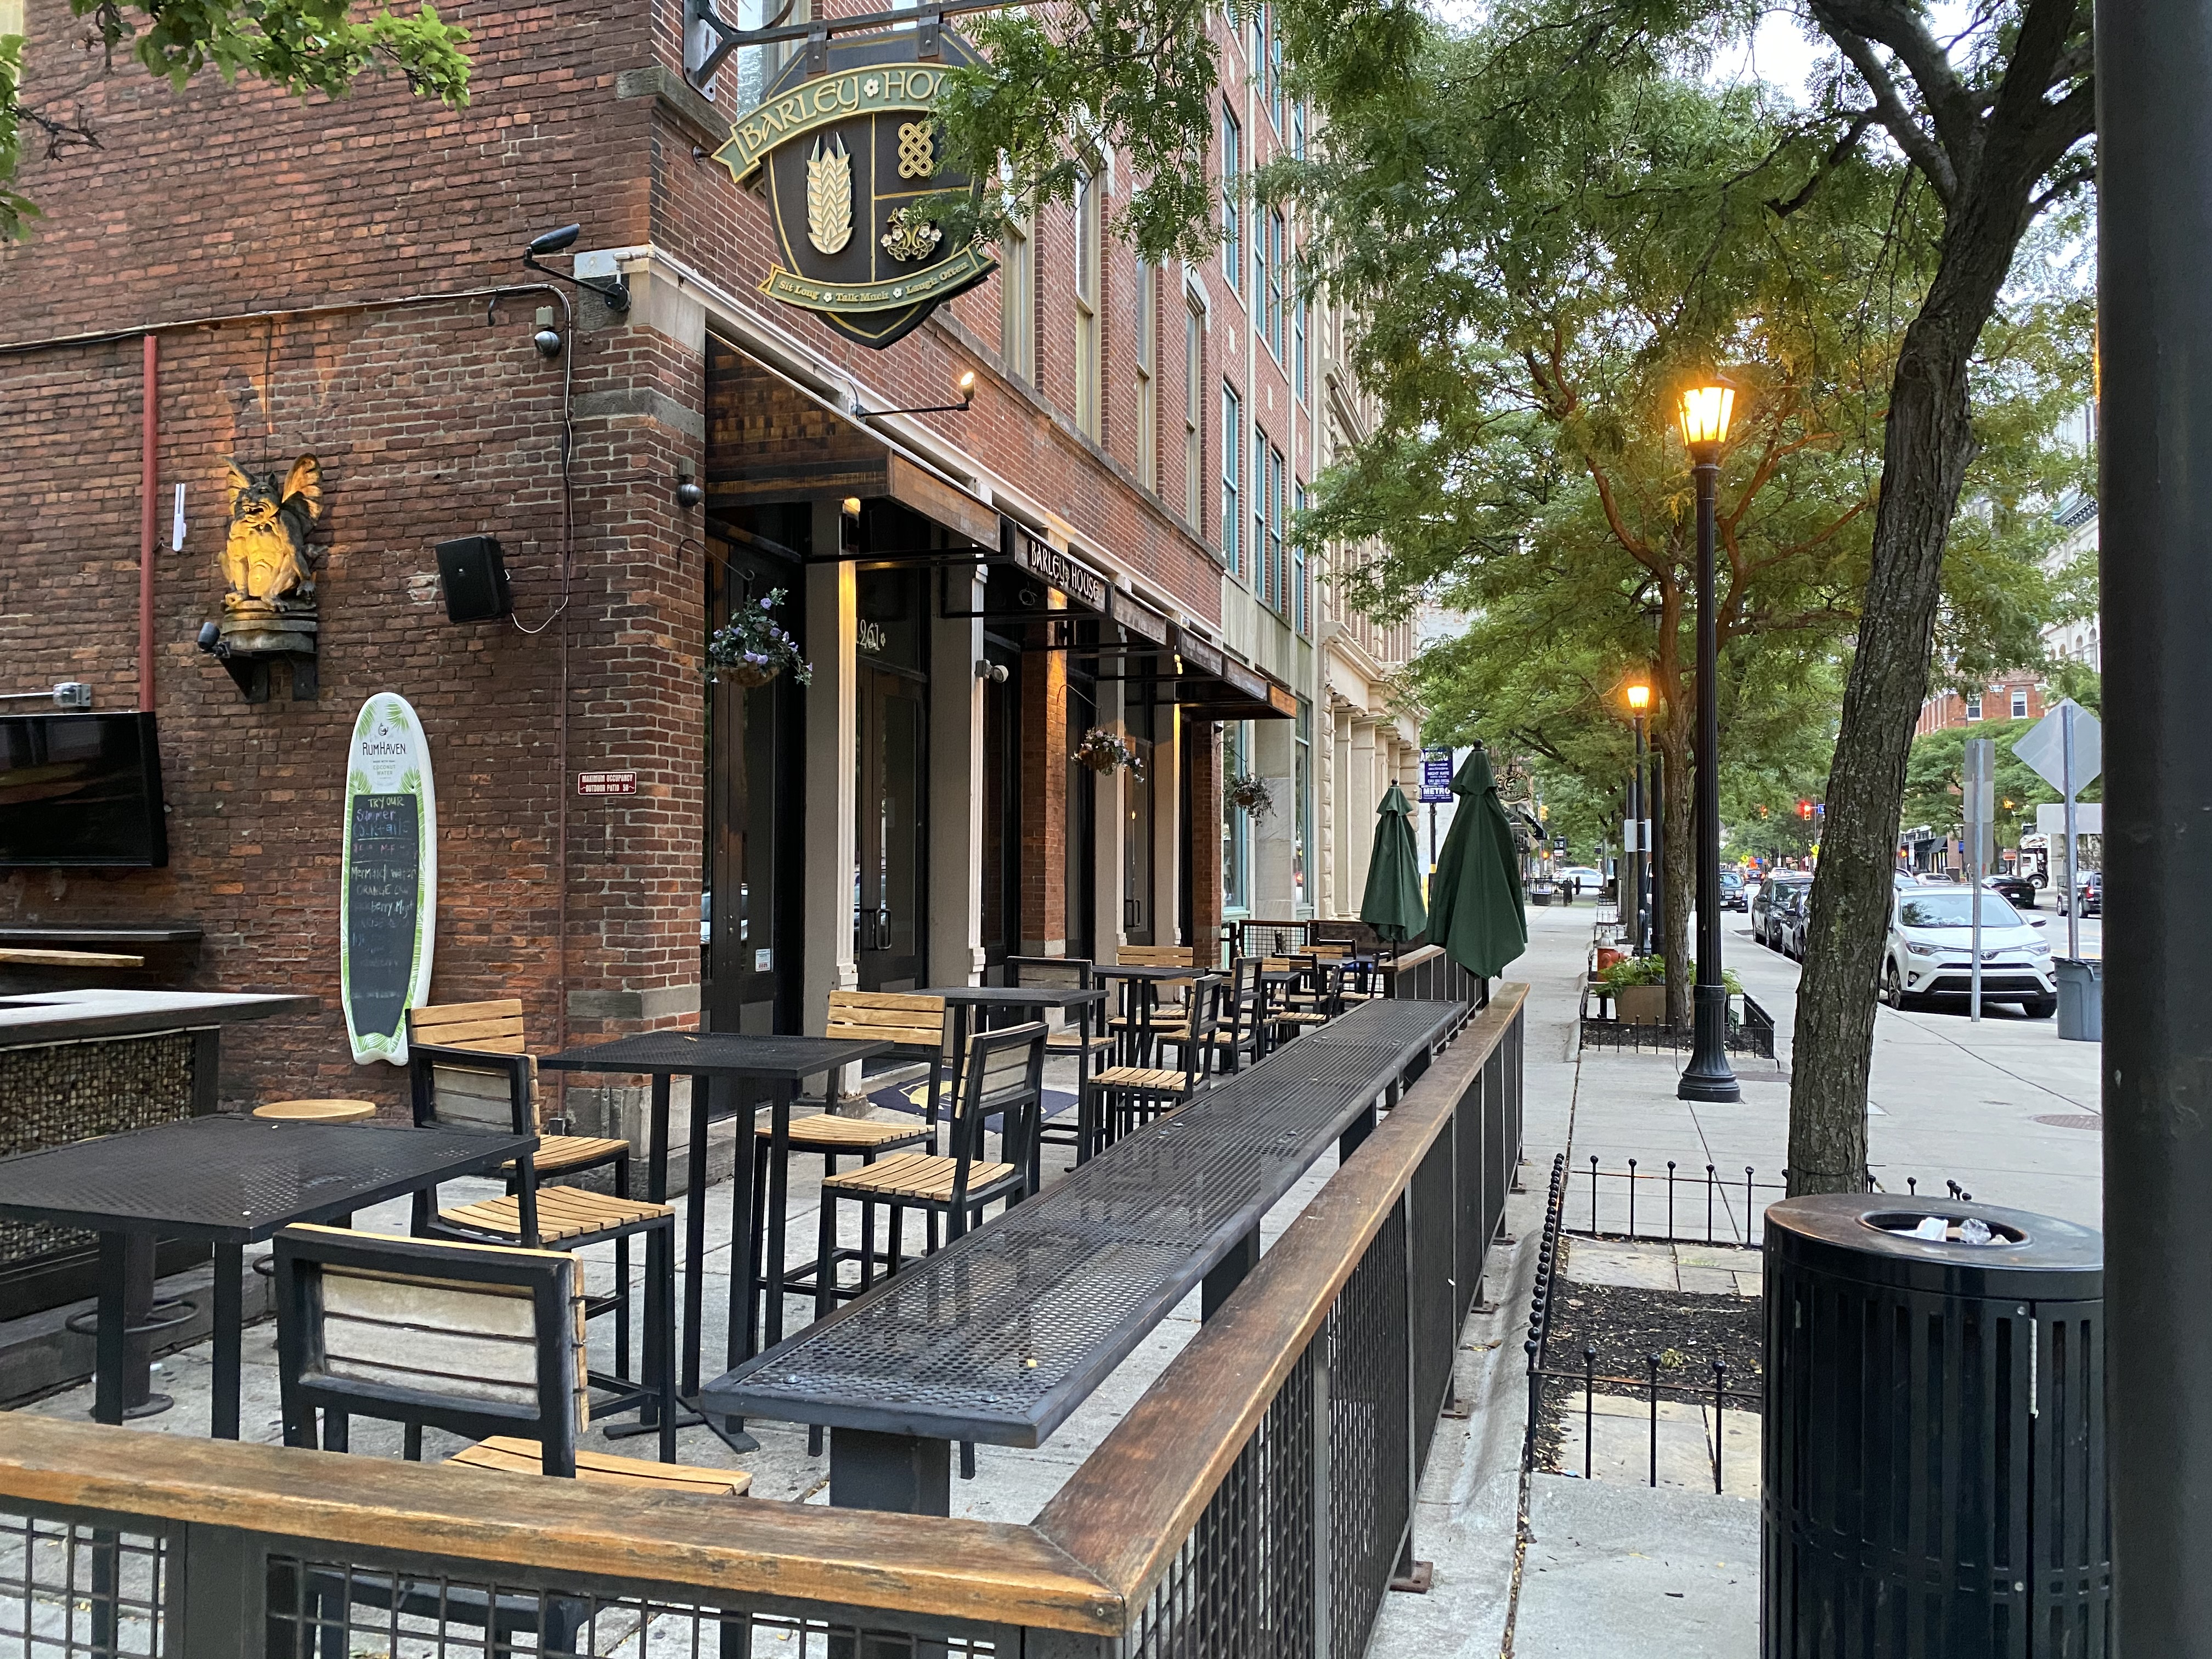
(1704, 416)
(965, 385)
(1639, 697)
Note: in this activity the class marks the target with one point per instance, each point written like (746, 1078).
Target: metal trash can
(2080, 998)
(1933, 1482)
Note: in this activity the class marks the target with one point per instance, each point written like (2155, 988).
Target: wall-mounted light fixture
(991, 673)
(688, 493)
(965, 385)
(852, 507)
(547, 339)
(614, 289)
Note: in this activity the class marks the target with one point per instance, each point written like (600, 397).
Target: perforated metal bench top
(1000, 1336)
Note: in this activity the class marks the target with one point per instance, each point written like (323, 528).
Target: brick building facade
(343, 278)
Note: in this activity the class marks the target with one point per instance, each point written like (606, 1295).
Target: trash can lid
(1888, 1238)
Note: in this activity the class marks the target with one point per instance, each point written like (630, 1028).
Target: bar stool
(316, 1111)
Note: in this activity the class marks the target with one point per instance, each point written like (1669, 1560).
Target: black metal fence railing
(1257, 1499)
(1686, 1204)
(1750, 1032)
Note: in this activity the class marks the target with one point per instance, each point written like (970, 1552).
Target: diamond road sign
(2043, 748)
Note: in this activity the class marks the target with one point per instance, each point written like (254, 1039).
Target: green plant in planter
(1652, 970)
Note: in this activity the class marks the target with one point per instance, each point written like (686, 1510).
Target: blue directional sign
(1436, 776)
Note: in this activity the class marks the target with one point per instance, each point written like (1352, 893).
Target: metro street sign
(1436, 776)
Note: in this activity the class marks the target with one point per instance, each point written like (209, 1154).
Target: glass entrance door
(1137, 899)
(890, 911)
(748, 919)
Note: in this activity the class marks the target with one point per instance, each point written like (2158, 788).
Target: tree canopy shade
(1543, 252)
(302, 45)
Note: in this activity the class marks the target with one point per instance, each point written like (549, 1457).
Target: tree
(303, 45)
(1992, 124)
(1541, 249)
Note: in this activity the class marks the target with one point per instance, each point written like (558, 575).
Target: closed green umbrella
(1393, 903)
(1475, 908)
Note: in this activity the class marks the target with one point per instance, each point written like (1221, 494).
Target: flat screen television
(80, 789)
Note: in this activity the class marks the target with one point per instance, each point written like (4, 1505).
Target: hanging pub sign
(842, 153)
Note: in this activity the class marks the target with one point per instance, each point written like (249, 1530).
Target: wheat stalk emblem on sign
(829, 196)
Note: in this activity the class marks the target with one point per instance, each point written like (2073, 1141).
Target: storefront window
(1236, 821)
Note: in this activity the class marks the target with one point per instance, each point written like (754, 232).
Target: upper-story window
(1270, 322)
(2020, 702)
(1018, 300)
(1301, 582)
(1278, 579)
(737, 85)
(1298, 129)
(1232, 507)
(1148, 399)
(1232, 170)
(1193, 412)
(1301, 324)
(1263, 492)
(1974, 706)
(1089, 368)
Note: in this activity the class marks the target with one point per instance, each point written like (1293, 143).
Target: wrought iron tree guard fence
(1604, 1203)
(1751, 1033)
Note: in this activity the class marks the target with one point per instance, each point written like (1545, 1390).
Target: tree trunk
(1926, 448)
(1679, 877)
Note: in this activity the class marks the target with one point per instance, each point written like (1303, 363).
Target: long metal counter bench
(1000, 1336)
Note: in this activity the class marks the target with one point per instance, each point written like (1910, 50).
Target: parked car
(1588, 879)
(1793, 911)
(1732, 893)
(1762, 908)
(1930, 952)
(2090, 885)
(2017, 889)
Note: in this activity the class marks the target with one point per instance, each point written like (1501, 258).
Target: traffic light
(1804, 809)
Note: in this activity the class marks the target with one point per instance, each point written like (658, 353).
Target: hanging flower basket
(753, 648)
(1104, 751)
(1248, 793)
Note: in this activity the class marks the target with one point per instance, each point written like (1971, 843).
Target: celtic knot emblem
(910, 239)
(916, 147)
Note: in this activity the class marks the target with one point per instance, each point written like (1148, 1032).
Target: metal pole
(1708, 1077)
(2154, 213)
(1638, 932)
(2073, 887)
(1655, 806)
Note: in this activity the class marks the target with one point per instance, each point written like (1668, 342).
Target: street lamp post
(1639, 697)
(1704, 416)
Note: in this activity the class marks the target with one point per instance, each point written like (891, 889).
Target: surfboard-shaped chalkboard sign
(388, 901)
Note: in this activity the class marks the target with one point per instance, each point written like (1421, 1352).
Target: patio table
(783, 1063)
(227, 1181)
(1000, 1335)
(993, 1002)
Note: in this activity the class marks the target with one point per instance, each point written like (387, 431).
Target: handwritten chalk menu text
(387, 906)
(384, 868)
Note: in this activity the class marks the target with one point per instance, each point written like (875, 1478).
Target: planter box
(1641, 1004)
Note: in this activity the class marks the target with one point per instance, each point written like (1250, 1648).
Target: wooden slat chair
(1121, 1098)
(918, 1026)
(478, 1049)
(1086, 1041)
(1240, 1031)
(1142, 999)
(1003, 1076)
(480, 1340)
(1291, 1013)
(554, 1218)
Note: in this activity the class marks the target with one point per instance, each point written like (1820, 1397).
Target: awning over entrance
(1214, 685)
(788, 444)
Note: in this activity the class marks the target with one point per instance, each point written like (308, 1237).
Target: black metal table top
(1014, 996)
(717, 1053)
(1002, 1334)
(237, 1180)
(62, 1016)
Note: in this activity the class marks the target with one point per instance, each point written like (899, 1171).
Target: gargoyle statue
(265, 562)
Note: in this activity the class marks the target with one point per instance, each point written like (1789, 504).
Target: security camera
(547, 339)
(212, 641)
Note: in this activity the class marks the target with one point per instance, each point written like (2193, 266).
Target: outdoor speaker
(475, 579)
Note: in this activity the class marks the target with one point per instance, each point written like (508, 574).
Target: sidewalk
(1617, 1567)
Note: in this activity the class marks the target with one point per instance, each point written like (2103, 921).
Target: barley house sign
(839, 153)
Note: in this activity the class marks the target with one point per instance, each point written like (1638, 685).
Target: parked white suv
(1931, 933)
